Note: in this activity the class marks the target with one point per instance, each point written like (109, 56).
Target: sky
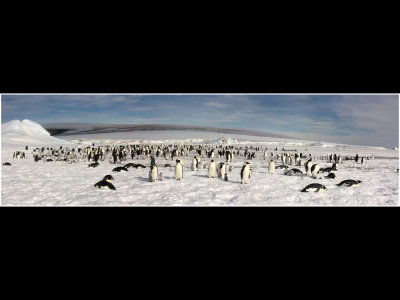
(370, 120)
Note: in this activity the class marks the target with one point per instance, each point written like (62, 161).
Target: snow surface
(26, 132)
(61, 183)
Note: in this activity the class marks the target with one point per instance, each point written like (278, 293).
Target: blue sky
(352, 119)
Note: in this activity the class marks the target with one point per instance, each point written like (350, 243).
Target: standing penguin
(161, 176)
(271, 166)
(315, 170)
(221, 170)
(152, 161)
(211, 169)
(194, 164)
(245, 173)
(308, 167)
(178, 170)
(153, 173)
(226, 177)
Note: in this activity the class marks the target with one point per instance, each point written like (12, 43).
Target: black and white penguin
(93, 165)
(230, 168)
(153, 173)
(139, 166)
(179, 170)
(323, 170)
(296, 171)
(221, 170)
(105, 184)
(281, 167)
(212, 169)
(167, 166)
(194, 164)
(349, 182)
(245, 173)
(331, 175)
(130, 165)
(119, 169)
(308, 167)
(314, 187)
(6, 164)
(315, 169)
(226, 177)
(334, 167)
(271, 167)
(108, 178)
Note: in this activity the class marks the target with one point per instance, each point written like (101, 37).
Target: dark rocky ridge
(75, 129)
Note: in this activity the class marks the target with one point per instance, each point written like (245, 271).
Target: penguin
(200, 165)
(105, 184)
(153, 173)
(314, 187)
(271, 167)
(315, 169)
(331, 175)
(108, 178)
(178, 170)
(334, 167)
(6, 164)
(152, 161)
(308, 167)
(161, 176)
(221, 170)
(139, 166)
(167, 166)
(245, 173)
(211, 169)
(349, 182)
(296, 171)
(328, 170)
(93, 165)
(194, 164)
(281, 167)
(226, 177)
(230, 168)
(130, 165)
(119, 169)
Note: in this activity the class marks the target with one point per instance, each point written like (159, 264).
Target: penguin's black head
(359, 181)
(323, 187)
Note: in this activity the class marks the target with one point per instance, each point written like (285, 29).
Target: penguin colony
(218, 160)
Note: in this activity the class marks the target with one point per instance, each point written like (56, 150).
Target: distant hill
(63, 129)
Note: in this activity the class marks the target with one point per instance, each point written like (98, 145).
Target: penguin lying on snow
(105, 184)
(130, 165)
(94, 165)
(314, 187)
(139, 166)
(331, 175)
(349, 182)
(6, 164)
(119, 169)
